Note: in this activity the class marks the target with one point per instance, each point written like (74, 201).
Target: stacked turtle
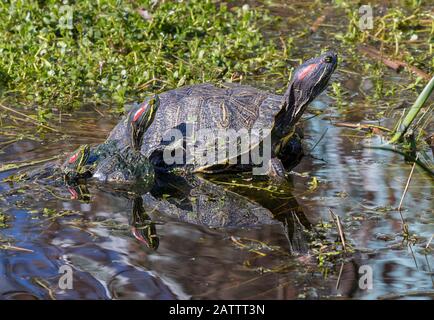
(112, 161)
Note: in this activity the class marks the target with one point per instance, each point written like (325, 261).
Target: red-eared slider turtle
(114, 160)
(173, 123)
(186, 113)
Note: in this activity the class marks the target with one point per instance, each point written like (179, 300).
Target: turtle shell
(185, 113)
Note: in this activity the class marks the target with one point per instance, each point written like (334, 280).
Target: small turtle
(113, 161)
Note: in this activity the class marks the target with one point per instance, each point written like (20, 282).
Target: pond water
(47, 228)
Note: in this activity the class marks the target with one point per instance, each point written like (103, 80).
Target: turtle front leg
(276, 170)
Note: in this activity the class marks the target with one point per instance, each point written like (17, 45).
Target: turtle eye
(328, 59)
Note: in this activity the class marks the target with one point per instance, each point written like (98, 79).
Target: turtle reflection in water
(194, 199)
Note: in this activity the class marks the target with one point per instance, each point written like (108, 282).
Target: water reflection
(194, 199)
(106, 233)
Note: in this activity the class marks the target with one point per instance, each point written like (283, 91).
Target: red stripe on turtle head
(138, 236)
(307, 70)
(74, 194)
(74, 157)
(139, 113)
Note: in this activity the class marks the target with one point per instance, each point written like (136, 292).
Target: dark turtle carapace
(174, 122)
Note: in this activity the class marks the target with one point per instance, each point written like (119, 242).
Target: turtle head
(76, 165)
(79, 164)
(308, 81)
(141, 118)
(312, 77)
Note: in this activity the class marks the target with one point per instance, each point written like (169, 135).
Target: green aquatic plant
(401, 32)
(329, 252)
(339, 94)
(11, 166)
(413, 112)
(3, 220)
(58, 55)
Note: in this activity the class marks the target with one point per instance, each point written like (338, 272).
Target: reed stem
(413, 112)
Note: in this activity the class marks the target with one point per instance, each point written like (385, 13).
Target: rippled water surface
(99, 238)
